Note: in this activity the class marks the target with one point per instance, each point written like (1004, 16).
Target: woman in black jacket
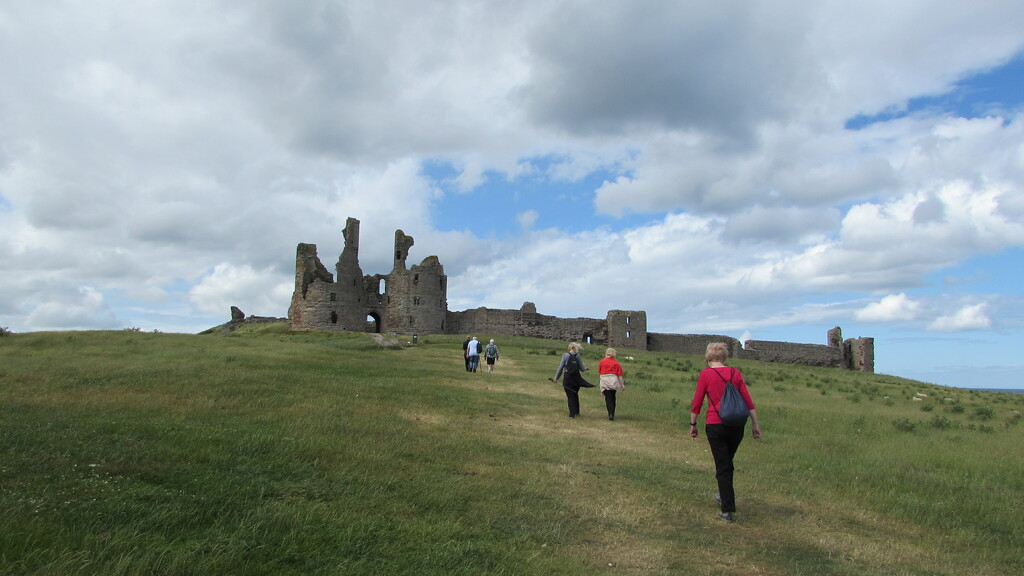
(572, 366)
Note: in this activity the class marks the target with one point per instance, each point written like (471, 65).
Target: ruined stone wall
(627, 329)
(791, 353)
(527, 322)
(690, 343)
(313, 283)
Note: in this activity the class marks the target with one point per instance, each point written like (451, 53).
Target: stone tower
(417, 298)
(860, 354)
(835, 337)
(313, 285)
(627, 329)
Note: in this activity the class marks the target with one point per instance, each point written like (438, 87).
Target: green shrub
(1015, 419)
(984, 412)
(904, 425)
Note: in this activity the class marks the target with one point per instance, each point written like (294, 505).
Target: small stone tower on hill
(627, 329)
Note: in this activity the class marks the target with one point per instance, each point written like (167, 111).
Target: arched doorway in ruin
(373, 322)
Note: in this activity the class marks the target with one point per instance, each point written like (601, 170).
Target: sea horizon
(1007, 390)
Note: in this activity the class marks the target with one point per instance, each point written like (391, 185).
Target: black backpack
(572, 365)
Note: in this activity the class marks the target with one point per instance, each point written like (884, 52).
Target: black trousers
(724, 441)
(572, 394)
(609, 401)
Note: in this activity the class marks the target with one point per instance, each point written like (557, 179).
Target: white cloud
(892, 308)
(527, 219)
(255, 292)
(972, 317)
(84, 309)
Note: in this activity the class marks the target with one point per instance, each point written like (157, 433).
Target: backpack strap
(729, 381)
(731, 374)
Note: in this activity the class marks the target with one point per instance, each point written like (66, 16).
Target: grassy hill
(271, 452)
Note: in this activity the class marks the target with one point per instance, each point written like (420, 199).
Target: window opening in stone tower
(627, 334)
(627, 319)
(416, 279)
(334, 317)
(382, 287)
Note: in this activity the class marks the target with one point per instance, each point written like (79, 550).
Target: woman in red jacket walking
(724, 440)
(611, 380)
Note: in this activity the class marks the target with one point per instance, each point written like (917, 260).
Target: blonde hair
(610, 352)
(574, 347)
(716, 352)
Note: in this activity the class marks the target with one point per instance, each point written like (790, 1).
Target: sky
(763, 170)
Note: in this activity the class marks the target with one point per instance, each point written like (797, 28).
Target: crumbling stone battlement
(415, 300)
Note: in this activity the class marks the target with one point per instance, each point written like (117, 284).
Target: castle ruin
(415, 301)
(405, 300)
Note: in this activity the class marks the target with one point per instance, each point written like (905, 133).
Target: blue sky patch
(981, 274)
(492, 209)
(988, 93)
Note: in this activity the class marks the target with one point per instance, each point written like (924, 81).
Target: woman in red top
(611, 380)
(724, 440)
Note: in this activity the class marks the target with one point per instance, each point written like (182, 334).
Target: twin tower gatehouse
(411, 300)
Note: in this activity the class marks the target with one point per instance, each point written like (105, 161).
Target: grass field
(268, 452)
